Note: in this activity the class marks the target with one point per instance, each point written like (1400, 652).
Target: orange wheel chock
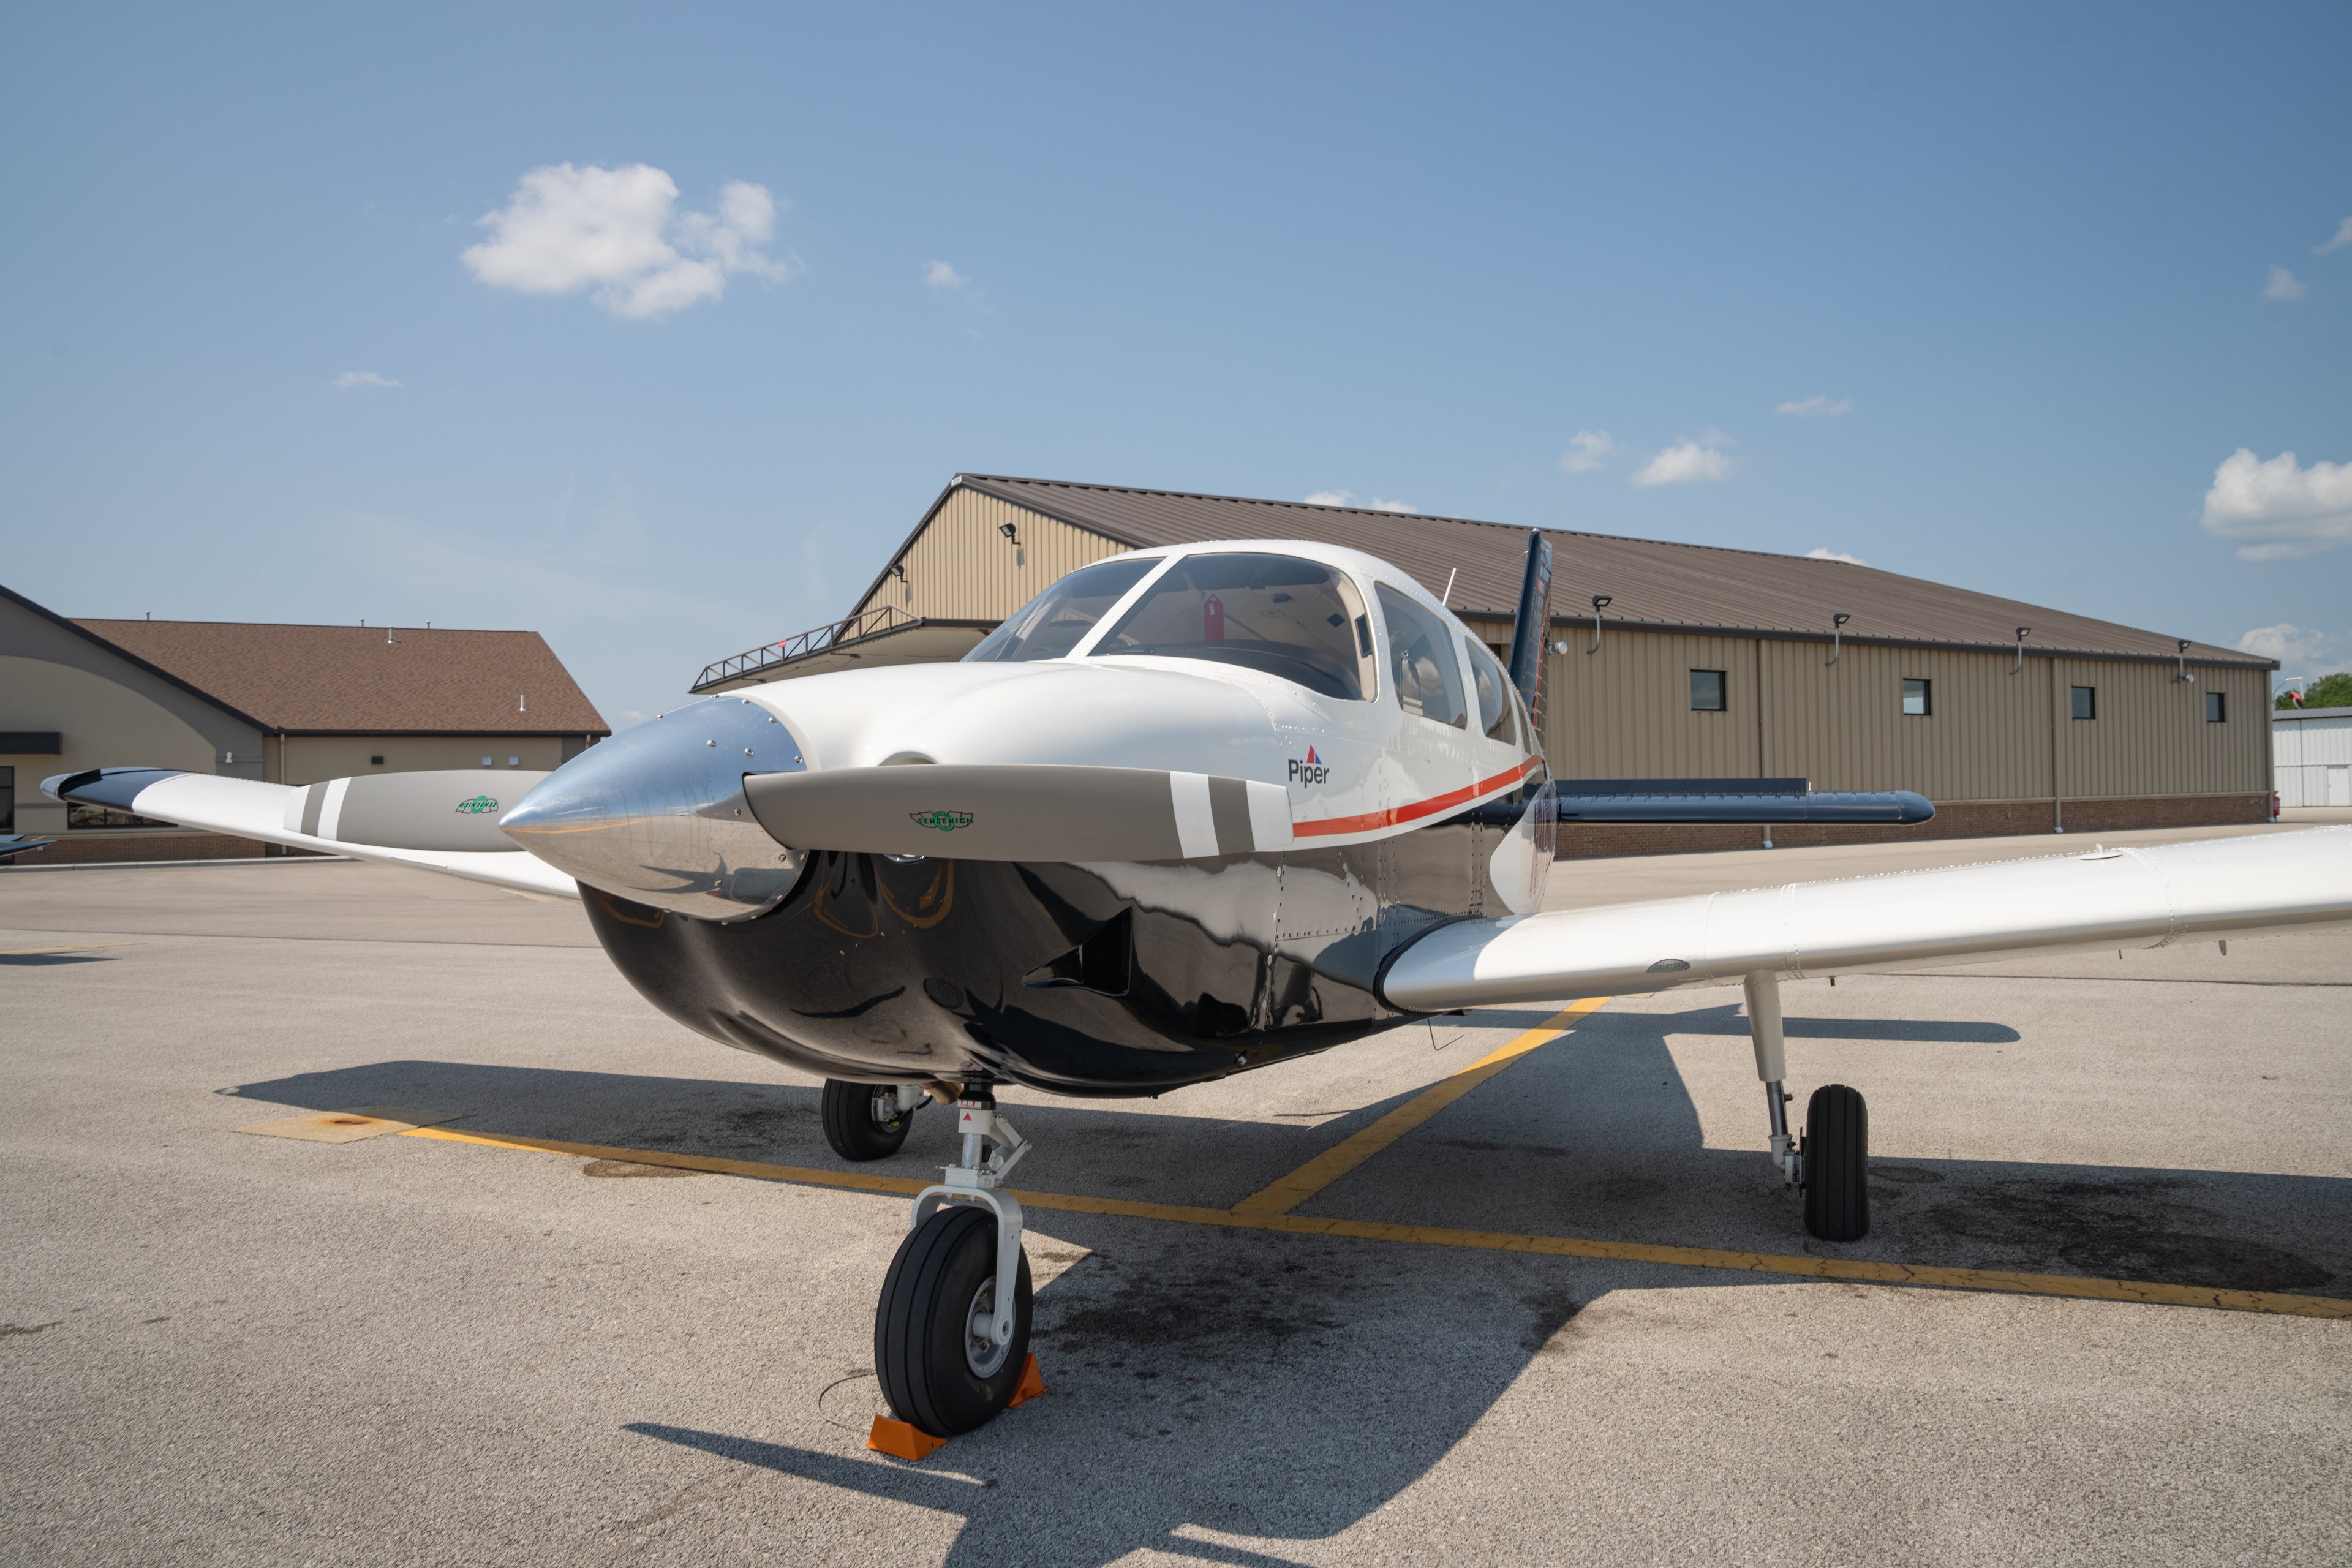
(901, 1441)
(1032, 1384)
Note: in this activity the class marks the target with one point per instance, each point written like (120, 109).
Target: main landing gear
(867, 1121)
(1831, 1161)
(951, 1330)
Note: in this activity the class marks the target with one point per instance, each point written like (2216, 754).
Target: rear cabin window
(1421, 662)
(1706, 690)
(1494, 691)
(1280, 615)
(1057, 620)
(1916, 698)
(2086, 703)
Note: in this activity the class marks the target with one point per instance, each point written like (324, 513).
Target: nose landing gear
(1831, 1162)
(951, 1330)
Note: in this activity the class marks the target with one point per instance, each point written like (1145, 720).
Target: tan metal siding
(961, 568)
(2150, 736)
(1986, 735)
(1625, 712)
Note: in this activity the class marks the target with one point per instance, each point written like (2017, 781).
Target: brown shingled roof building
(286, 704)
(1705, 663)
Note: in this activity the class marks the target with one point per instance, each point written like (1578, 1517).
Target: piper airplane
(1191, 812)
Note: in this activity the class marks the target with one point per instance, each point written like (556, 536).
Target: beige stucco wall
(101, 723)
(962, 568)
(313, 759)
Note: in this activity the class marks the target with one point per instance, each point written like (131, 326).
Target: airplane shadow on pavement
(1273, 1386)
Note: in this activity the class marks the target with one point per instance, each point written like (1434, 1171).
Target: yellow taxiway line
(1858, 1271)
(1289, 1192)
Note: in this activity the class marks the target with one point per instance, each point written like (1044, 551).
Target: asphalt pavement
(223, 1348)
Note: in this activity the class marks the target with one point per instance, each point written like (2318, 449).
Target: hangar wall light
(2022, 633)
(1599, 603)
(1837, 637)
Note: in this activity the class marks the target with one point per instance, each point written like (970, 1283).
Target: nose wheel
(867, 1121)
(951, 1330)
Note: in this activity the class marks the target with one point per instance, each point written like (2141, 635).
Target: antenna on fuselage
(1528, 633)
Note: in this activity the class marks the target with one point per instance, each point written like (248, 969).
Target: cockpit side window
(1057, 620)
(1300, 620)
(1495, 711)
(1421, 666)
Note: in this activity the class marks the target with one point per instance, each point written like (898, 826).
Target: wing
(441, 821)
(1916, 920)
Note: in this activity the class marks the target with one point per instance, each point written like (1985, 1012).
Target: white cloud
(617, 232)
(2278, 511)
(1586, 450)
(2343, 237)
(2284, 285)
(1702, 461)
(2289, 645)
(1348, 498)
(940, 275)
(351, 378)
(1820, 406)
(1823, 552)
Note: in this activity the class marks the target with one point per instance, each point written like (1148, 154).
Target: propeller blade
(1021, 812)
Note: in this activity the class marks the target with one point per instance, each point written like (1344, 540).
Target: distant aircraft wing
(2103, 897)
(441, 821)
(15, 844)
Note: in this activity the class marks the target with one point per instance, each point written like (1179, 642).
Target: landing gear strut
(951, 1330)
(867, 1121)
(1831, 1162)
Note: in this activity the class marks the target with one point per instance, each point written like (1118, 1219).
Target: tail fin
(1527, 633)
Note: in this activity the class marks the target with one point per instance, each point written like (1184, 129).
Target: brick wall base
(1953, 819)
(99, 848)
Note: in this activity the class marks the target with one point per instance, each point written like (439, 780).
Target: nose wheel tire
(1836, 1152)
(862, 1121)
(935, 1350)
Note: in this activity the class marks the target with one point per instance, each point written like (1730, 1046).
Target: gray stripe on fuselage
(1229, 813)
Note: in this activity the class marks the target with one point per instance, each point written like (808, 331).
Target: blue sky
(2027, 280)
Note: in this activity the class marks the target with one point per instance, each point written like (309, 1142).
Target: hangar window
(7, 800)
(1421, 661)
(2217, 708)
(1298, 620)
(1057, 620)
(1493, 702)
(2086, 703)
(1706, 690)
(1916, 695)
(375, 762)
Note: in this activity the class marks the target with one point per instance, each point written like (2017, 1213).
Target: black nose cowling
(656, 813)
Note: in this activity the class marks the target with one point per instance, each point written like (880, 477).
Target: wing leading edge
(1915, 920)
(430, 821)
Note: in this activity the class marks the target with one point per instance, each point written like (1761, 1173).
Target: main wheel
(862, 1121)
(1836, 1152)
(942, 1367)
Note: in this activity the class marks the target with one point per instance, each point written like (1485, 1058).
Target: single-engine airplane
(1191, 812)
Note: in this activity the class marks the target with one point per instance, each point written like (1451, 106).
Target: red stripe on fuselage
(1373, 819)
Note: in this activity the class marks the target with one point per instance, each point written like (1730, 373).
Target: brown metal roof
(352, 680)
(1651, 584)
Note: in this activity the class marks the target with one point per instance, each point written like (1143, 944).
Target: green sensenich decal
(945, 821)
(479, 804)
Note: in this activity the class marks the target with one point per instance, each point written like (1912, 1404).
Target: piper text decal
(1313, 771)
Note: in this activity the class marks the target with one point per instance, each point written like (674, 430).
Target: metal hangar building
(1673, 661)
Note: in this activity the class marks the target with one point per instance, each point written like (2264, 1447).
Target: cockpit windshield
(1300, 620)
(1057, 620)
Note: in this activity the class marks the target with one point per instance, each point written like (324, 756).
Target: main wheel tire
(934, 1372)
(862, 1121)
(1837, 1163)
